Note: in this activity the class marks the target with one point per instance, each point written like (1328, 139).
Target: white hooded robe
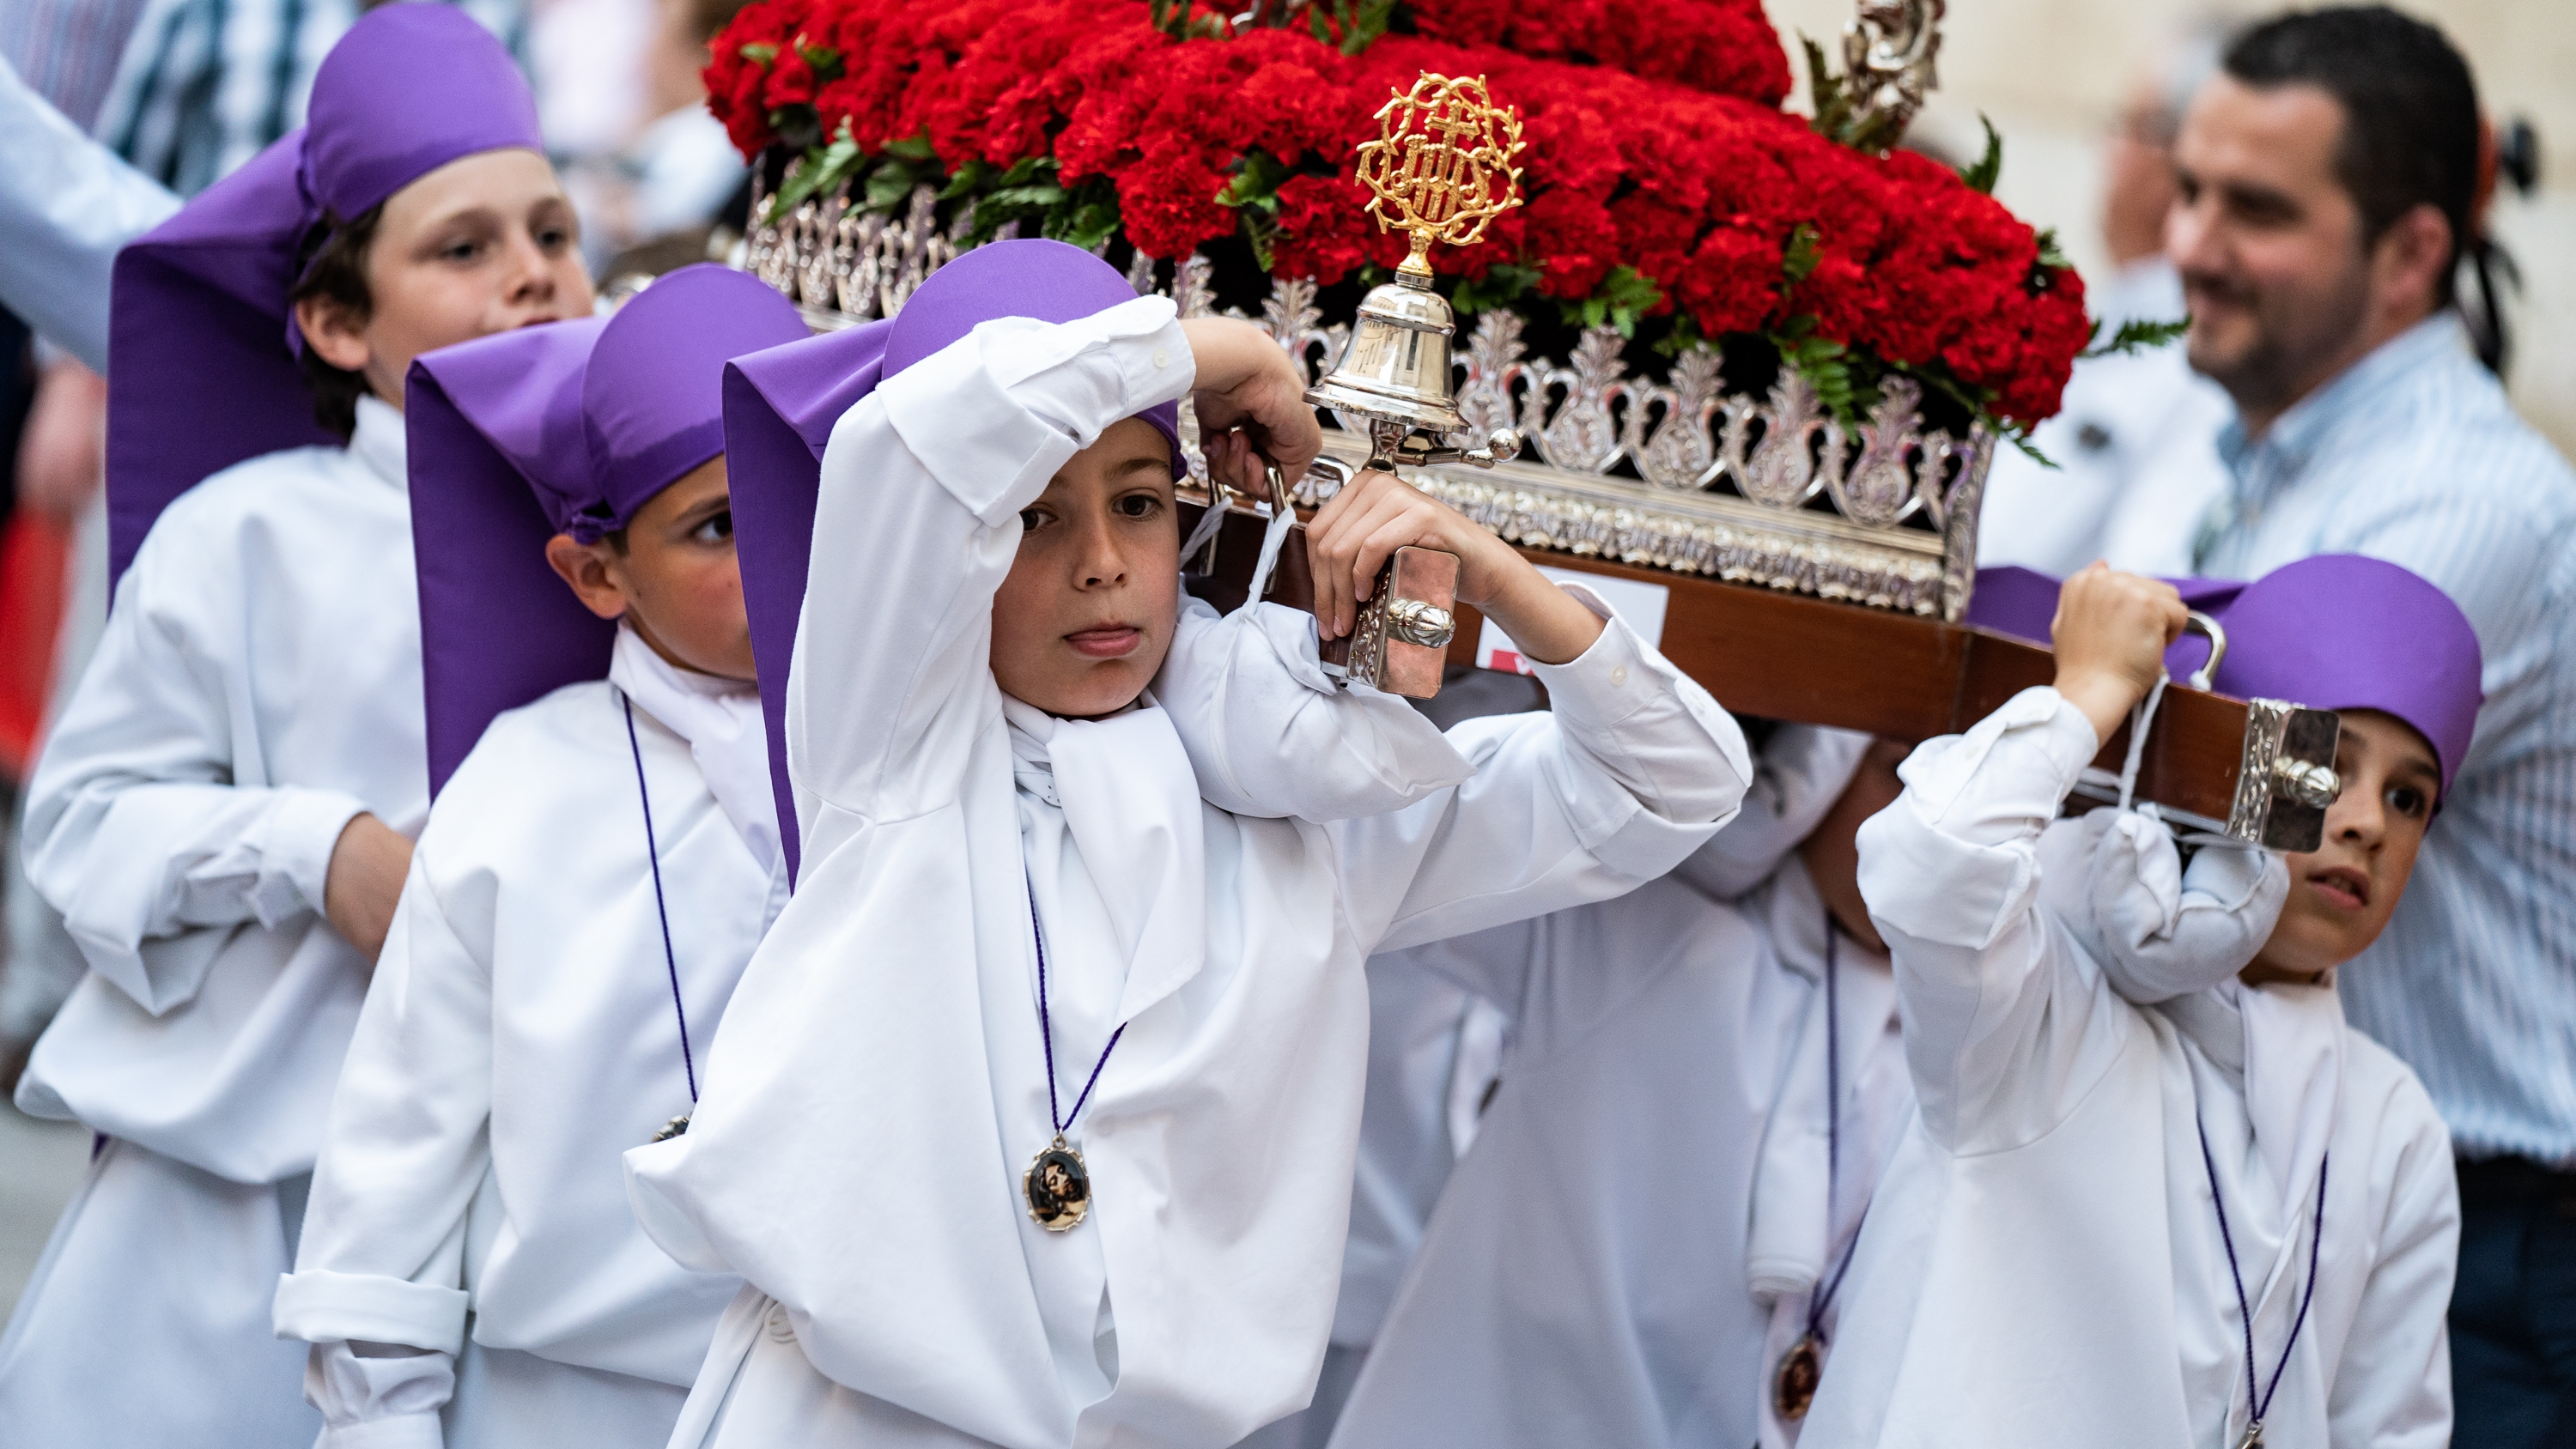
(881, 1085)
(2045, 1265)
(520, 1035)
(258, 686)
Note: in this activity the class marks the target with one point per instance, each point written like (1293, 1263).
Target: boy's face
(2343, 892)
(481, 245)
(1083, 620)
(1831, 851)
(676, 579)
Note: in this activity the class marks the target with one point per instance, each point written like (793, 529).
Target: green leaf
(1798, 259)
(1086, 218)
(971, 178)
(1255, 182)
(2050, 254)
(1621, 298)
(2135, 335)
(890, 185)
(1684, 337)
(913, 148)
(1361, 22)
(1990, 167)
(1027, 170)
(1025, 198)
(1504, 284)
(818, 171)
(758, 52)
(1824, 92)
(821, 57)
(2019, 437)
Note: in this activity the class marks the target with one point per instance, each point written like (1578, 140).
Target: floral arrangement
(1668, 194)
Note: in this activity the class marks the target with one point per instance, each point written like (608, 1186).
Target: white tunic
(519, 1037)
(1619, 1172)
(880, 1085)
(257, 686)
(2044, 1265)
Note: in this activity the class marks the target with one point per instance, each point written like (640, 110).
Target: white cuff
(403, 1431)
(296, 847)
(2007, 775)
(1613, 678)
(320, 1306)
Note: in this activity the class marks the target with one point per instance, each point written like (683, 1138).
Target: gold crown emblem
(1441, 167)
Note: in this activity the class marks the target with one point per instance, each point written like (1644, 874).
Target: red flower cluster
(1666, 155)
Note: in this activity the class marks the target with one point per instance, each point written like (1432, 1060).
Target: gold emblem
(1793, 1387)
(1441, 168)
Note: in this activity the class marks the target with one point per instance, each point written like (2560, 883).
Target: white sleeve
(1495, 965)
(2005, 1017)
(404, 1151)
(67, 204)
(1270, 734)
(915, 528)
(378, 1396)
(1798, 775)
(137, 829)
(1632, 768)
(2392, 1389)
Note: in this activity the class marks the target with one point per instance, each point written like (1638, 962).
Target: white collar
(721, 719)
(1131, 802)
(2281, 1046)
(379, 441)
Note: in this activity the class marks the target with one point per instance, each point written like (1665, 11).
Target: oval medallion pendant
(1793, 1388)
(677, 1126)
(1058, 1188)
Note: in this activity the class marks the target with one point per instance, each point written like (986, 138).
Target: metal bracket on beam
(2287, 778)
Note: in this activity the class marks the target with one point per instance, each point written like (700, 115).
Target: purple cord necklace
(1057, 1185)
(662, 910)
(1793, 1385)
(2257, 1404)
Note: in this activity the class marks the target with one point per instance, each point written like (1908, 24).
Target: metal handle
(2196, 622)
(1416, 621)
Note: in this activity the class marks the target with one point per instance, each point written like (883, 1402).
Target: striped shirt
(2414, 455)
(206, 84)
(67, 50)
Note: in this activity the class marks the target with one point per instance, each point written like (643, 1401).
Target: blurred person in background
(66, 205)
(651, 203)
(2136, 442)
(2330, 179)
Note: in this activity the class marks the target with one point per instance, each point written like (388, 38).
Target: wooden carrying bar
(1792, 657)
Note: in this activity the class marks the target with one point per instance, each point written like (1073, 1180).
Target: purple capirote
(2340, 631)
(566, 428)
(781, 405)
(204, 374)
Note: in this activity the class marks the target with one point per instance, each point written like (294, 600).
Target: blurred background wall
(2051, 74)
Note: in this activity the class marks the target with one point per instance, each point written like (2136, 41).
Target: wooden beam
(1815, 661)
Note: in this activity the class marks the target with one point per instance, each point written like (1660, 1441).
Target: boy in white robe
(470, 1272)
(1032, 1122)
(2223, 1219)
(1678, 1160)
(220, 811)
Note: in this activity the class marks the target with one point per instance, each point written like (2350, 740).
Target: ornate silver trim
(2286, 778)
(1902, 534)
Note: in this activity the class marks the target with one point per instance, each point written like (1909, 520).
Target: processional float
(1810, 570)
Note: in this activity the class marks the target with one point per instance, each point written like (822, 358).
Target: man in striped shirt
(204, 85)
(2329, 177)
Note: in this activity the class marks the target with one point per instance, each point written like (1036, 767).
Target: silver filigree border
(1902, 534)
